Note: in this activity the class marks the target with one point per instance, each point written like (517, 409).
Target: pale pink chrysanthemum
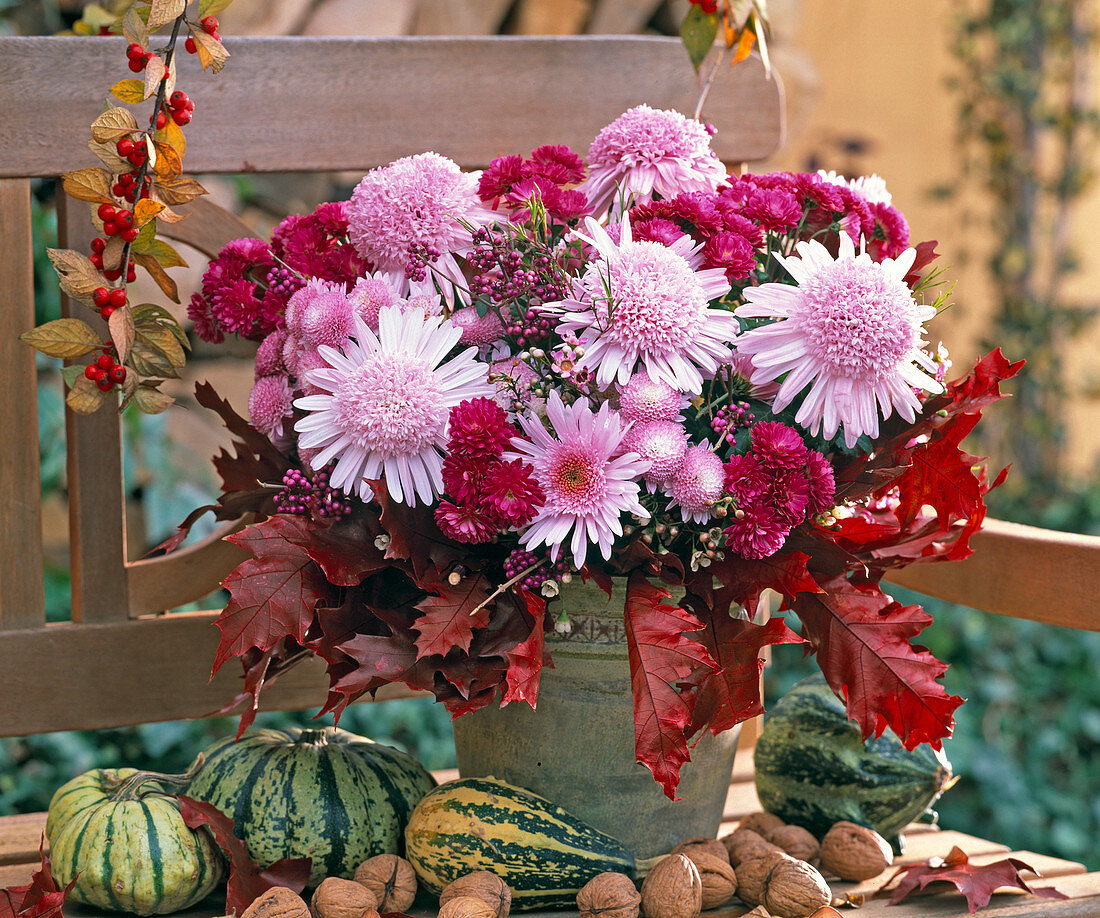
(587, 486)
(872, 187)
(322, 314)
(662, 444)
(308, 358)
(417, 201)
(647, 151)
(270, 404)
(480, 331)
(269, 355)
(643, 399)
(697, 484)
(386, 402)
(371, 295)
(850, 330)
(643, 306)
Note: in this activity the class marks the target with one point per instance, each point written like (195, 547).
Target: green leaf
(698, 31)
(64, 338)
(149, 314)
(151, 401)
(163, 341)
(71, 374)
(212, 7)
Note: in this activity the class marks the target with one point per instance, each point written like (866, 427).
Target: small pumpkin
(329, 795)
(121, 835)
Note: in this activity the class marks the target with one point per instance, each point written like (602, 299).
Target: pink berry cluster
(519, 560)
(729, 418)
(303, 495)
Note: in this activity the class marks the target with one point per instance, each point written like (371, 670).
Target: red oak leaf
(449, 618)
(977, 883)
(274, 592)
(662, 659)
(261, 668)
(526, 659)
(926, 254)
(345, 551)
(414, 535)
(731, 695)
(861, 638)
(41, 898)
(256, 460)
(744, 580)
(942, 476)
(246, 880)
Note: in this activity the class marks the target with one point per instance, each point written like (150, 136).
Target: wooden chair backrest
(281, 105)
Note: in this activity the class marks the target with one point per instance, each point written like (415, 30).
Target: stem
(127, 787)
(705, 91)
(504, 586)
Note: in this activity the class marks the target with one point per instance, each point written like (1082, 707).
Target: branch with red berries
(139, 182)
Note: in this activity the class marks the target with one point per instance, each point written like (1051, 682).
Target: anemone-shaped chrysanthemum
(645, 306)
(385, 401)
(587, 486)
(848, 335)
(410, 219)
(647, 151)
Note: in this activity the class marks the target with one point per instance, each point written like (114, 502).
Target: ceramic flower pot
(577, 748)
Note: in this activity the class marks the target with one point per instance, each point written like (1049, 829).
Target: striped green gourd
(325, 794)
(814, 769)
(542, 852)
(123, 839)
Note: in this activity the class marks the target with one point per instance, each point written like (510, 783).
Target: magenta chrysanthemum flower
(497, 180)
(657, 229)
(789, 494)
(462, 476)
(417, 201)
(386, 404)
(463, 523)
(557, 162)
(647, 151)
(642, 305)
(479, 427)
(745, 480)
(756, 532)
(586, 489)
(510, 492)
(822, 483)
(478, 330)
(777, 446)
(697, 484)
(644, 399)
(776, 211)
(850, 330)
(662, 444)
(270, 404)
(731, 252)
(198, 311)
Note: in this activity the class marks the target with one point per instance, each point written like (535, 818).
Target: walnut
(751, 874)
(673, 889)
(745, 844)
(797, 842)
(794, 889)
(337, 898)
(391, 879)
(465, 907)
(278, 902)
(855, 852)
(719, 880)
(483, 885)
(710, 846)
(761, 823)
(609, 895)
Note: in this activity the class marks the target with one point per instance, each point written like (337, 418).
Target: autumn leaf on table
(862, 641)
(41, 898)
(246, 880)
(976, 882)
(662, 658)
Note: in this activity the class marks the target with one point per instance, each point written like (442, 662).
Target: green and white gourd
(326, 794)
(121, 836)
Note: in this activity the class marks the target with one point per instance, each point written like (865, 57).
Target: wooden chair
(325, 105)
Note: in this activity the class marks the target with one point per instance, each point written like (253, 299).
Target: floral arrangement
(472, 388)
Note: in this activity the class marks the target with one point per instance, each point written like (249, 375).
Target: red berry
(118, 298)
(181, 117)
(215, 36)
(135, 50)
(101, 296)
(105, 385)
(113, 274)
(117, 374)
(104, 30)
(190, 45)
(97, 261)
(124, 219)
(90, 371)
(177, 98)
(136, 65)
(106, 212)
(127, 178)
(118, 189)
(125, 146)
(105, 361)
(145, 191)
(98, 244)
(137, 157)
(110, 228)
(129, 235)
(106, 312)
(131, 275)
(209, 24)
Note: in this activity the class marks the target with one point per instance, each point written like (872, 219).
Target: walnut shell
(719, 880)
(745, 844)
(466, 907)
(761, 823)
(609, 895)
(710, 846)
(484, 885)
(797, 842)
(794, 889)
(338, 898)
(673, 889)
(278, 902)
(391, 879)
(855, 852)
(751, 874)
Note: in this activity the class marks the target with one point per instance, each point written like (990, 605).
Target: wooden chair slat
(1022, 572)
(285, 104)
(22, 599)
(97, 514)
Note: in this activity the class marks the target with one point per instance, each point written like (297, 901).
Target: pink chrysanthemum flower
(386, 403)
(511, 494)
(370, 296)
(586, 489)
(756, 532)
(421, 200)
(745, 479)
(644, 399)
(270, 404)
(479, 331)
(731, 252)
(697, 484)
(822, 483)
(464, 523)
(872, 187)
(643, 305)
(789, 494)
(777, 446)
(320, 313)
(662, 444)
(269, 355)
(462, 476)
(647, 151)
(850, 330)
(479, 427)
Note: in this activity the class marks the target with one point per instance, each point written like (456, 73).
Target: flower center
(392, 405)
(576, 480)
(857, 320)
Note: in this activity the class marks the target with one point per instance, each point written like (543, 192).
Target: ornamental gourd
(121, 835)
(325, 794)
